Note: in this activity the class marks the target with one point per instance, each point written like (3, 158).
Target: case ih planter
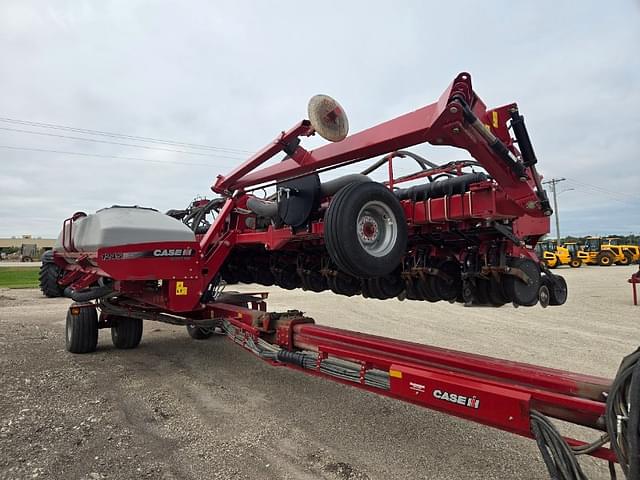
(462, 232)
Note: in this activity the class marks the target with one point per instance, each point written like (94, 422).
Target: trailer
(464, 231)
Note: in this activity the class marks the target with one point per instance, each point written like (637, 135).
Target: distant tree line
(632, 239)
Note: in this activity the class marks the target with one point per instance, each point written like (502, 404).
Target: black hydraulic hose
(494, 142)
(622, 414)
(87, 295)
(295, 358)
(423, 162)
(559, 458)
(633, 427)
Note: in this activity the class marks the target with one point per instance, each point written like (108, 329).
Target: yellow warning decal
(181, 289)
(494, 117)
(395, 373)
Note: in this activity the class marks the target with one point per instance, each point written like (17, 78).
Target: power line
(98, 155)
(629, 200)
(604, 190)
(121, 135)
(19, 130)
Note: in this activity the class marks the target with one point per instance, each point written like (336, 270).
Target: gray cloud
(234, 74)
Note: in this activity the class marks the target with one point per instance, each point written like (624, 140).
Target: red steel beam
(494, 392)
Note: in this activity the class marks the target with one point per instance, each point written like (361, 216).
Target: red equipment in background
(452, 234)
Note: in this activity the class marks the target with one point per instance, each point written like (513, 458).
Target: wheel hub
(368, 229)
(376, 227)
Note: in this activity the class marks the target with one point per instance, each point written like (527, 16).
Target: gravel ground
(176, 408)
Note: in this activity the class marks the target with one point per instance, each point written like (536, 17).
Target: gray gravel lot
(176, 408)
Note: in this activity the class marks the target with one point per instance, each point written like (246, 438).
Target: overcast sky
(233, 74)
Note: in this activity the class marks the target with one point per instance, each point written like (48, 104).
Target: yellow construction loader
(555, 256)
(604, 252)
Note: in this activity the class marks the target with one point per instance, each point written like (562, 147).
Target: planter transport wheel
(81, 330)
(365, 230)
(126, 332)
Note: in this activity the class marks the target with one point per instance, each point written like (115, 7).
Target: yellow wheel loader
(555, 256)
(603, 252)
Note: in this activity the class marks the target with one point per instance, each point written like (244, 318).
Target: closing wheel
(605, 259)
(344, 284)
(314, 281)
(558, 290)
(365, 230)
(544, 295)
(575, 263)
(447, 289)
(496, 294)
(523, 293)
(199, 333)
(425, 290)
(389, 286)
(81, 329)
(481, 292)
(126, 332)
(411, 292)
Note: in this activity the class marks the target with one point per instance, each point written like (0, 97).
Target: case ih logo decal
(159, 252)
(173, 252)
(471, 402)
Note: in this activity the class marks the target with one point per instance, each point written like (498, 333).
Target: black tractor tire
(605, 259)
(365, 230)
(198, 333)
(27, 259)
(81, 330)
(522, 293)
(558, 290)
(628, 259)
(48, 277)
(575, 263)
(126, 332)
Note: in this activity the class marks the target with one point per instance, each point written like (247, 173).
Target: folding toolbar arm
(459, 118)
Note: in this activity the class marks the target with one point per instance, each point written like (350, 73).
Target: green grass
(19, 277)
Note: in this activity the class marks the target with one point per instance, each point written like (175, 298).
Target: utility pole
(553, 182)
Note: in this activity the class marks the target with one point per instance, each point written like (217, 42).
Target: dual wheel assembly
(81, 331)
